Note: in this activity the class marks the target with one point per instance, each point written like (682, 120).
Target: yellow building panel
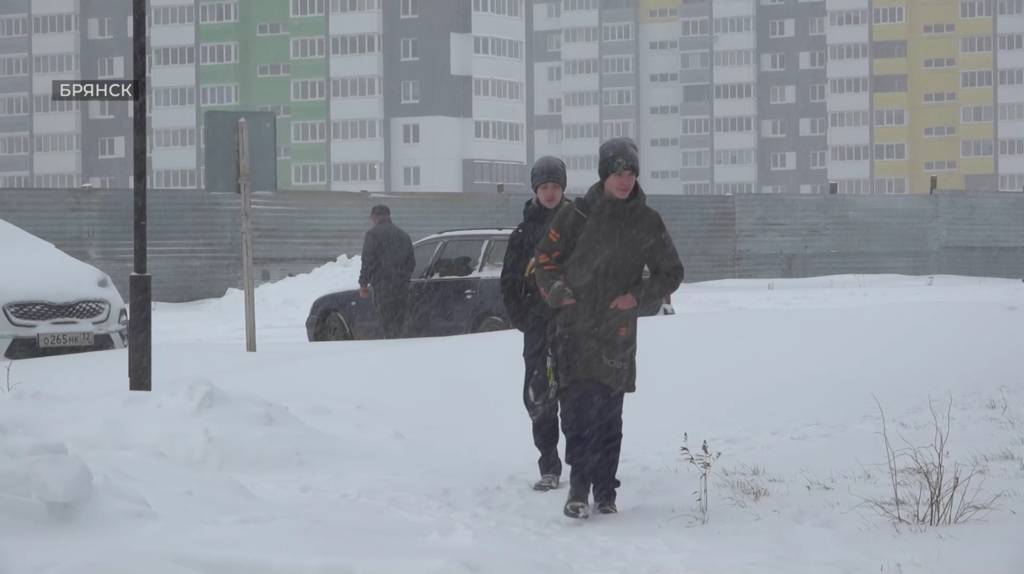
(973, 26)
(975, 131)
(975, 96)
(892, 134)
(936, 115)
(982, 61)
(977, 165)
(888, 32)
(891, 100)
(891, 66)
(646, 7)
(892, 168)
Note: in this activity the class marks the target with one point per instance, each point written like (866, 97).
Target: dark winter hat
(547, 169)
(380, 210)
(618, 154)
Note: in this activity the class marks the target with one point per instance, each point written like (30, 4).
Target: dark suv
(455, 289)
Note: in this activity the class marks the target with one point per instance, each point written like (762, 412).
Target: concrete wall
(194, 243)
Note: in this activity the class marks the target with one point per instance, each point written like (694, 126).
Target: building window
(225, 53)
(17, 104)
(270, 70)
(816, 26)
(272, 29)
(975, 9)
(309, 131)
(410, 8)
(351, 44)
(306, 8)
(411, 133)
(618, 32)
(112, 147)
(304, 48)
(977, 148)
(309, 173)
(497, 131)
(510, 8)
(497, 47)
(939, 131)
(889, 15)
(97, 28)
(694, 27)
(781, 28)
(890, 152)
(172, 15)
(497, 88)
(13, 26)
(356, 87)
(364, 171)
(410, 49)
(818, 92)
(410, 91)
(176, 56)
(975, 114)
(110, 67)
(773, 62)
(218, 12)
(304, 90)
(411, 176)
(223, 95)
(342, 6)
(356, 129)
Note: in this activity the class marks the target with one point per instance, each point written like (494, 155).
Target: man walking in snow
(388, 262)
(533, 317)
(590, 267)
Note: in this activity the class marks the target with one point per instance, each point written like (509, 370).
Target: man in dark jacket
(590, 268)
(388, 262)
(531, 315)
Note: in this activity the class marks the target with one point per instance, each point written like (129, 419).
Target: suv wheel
(334, 327)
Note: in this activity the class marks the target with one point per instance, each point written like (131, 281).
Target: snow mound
(281, 307)
(45, 471)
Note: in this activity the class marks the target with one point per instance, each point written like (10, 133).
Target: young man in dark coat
(590, 268)
(531, 315)
(388, 262)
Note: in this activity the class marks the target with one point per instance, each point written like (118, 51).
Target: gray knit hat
(618, 154)
(547, 169)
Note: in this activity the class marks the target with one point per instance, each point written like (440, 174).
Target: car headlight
(122, 318)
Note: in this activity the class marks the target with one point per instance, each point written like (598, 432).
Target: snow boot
(546, 483)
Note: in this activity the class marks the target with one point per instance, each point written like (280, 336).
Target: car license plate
(54, 340)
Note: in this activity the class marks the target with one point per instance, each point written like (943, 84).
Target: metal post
(245, 187)
(140, 284)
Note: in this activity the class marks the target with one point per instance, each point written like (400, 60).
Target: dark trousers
(539, 396)
(391, 301)
(592, 423)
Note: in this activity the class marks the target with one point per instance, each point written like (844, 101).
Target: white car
(52, 303)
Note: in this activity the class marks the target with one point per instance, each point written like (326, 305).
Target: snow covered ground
(416, 456)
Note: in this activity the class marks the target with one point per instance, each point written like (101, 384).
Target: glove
(560, 294)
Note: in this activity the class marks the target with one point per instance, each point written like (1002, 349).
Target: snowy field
(416, 456)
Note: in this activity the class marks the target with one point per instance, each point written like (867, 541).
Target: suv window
(496, 255)
(423, 253)
(460, 258)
